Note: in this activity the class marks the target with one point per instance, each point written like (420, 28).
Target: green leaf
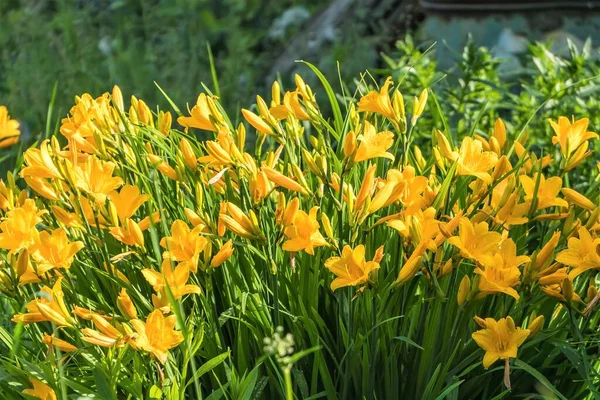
(519, 364)
(448, 390)
(408, 341)
(338, 120)
(207, 367)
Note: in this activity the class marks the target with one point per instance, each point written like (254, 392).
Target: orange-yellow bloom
(9, 129)
(503, 274)
(95, 177)
(50, 306)
(39, 163)
(351, 268)
(176, 279)
(571, 135)
(303, 233)
(547, 192)
(127, 201)
(157, 335)
(372, 144)
(201, 116)
(18, 230)
(472, 160)
(40, 390)
(184, 244)
(53, 250)
(378, 102)
(582, 253)
(499, 339)
(476, 242)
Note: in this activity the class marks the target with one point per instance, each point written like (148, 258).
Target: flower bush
(350, 256)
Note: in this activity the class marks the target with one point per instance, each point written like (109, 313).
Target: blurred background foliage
(89, 45)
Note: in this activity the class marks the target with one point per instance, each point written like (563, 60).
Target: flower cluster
(127, 224)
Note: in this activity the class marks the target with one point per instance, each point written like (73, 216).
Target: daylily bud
(494, 146)
(592, 292)
(419, 106)
(327, 226)
(484, 143)
(502, 167)
(114, 214)
(480, 321)
(164, 122)
(222, 255)
(446, 268)
(535, 326)
(193, 217)
(350, 144)
(593, 219)
(23, 263)
(188, 153)
(117, 98)
(421, 162)
(443, 144)
(463, 290)
(544, 257)
(275, 94)
(569, 225)
(567, 289)
(258, 124)
(126, 305)
(500, 132)
(578, 199)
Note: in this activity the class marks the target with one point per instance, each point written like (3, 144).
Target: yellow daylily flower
(50, 306)
(184, 244)
(18, 230)
(39, 164)
(472, 160)
(201, 115)
(547, 192)
(582, 253)
(127, 201)
(157, 335)
(476, 242)
(9, 129)
(373, 144)
(40, 390)
(571, 135)
(95, 177)
(130, 233)
(176, 279)
(499, 339)
(303, 233)
(503, 274)
(53, 250)
(379, 102)
(350, 269)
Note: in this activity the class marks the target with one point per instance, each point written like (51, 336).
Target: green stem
(287, 374)
(350, 342)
